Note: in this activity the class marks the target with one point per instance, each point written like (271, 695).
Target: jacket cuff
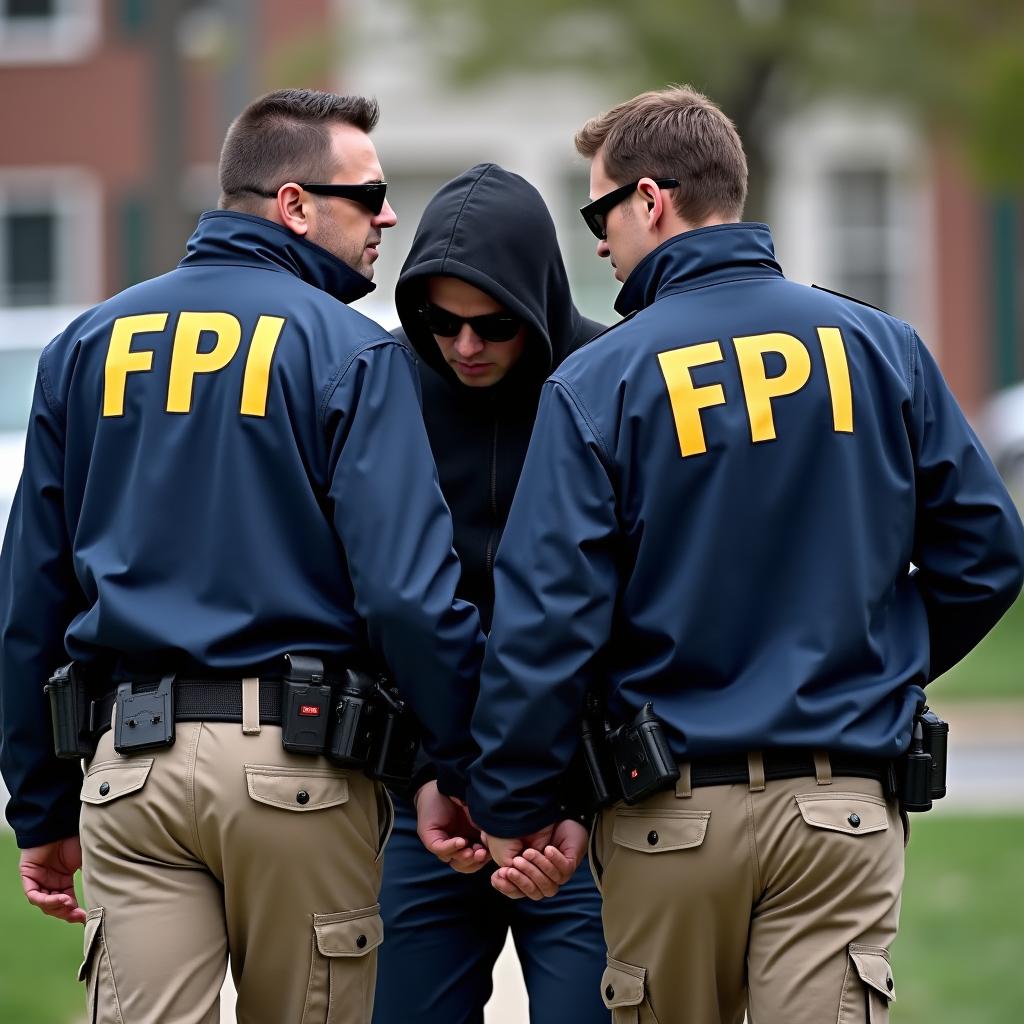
(450, 783)
(424, 773)
(509, 827)
(57, 827)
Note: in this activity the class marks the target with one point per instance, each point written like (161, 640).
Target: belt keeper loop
(251, 706)
(683, 787)
(755, 771)
(822, 768)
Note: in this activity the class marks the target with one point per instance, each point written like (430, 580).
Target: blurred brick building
(112, 112)
(111, 118)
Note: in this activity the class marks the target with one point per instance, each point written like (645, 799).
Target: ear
(654, 200)
(292, 208)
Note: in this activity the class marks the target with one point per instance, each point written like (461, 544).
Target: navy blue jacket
(245, 476)
(718, 513)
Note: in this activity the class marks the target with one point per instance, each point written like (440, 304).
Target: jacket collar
(239, 239)
(694, 259)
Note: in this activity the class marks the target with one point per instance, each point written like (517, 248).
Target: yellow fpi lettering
(838, 372)
(187, 360)
(686, 399)
(256, 382)
(758, 388)
(121, 360)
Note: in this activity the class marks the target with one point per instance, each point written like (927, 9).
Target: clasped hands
(533, 866)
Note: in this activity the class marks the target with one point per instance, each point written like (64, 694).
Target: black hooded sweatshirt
(490, 228)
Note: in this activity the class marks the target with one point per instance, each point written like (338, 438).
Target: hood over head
(491, 228)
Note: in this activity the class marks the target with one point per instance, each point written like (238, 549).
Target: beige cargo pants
(780, 899)
(226, 844)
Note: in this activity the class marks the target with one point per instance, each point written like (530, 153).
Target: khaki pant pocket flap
(660, 831)
(872, 964)
(296, 789)
(622, 984)
(93, 927)
(854, 814)
(354, 933)
(108, 780)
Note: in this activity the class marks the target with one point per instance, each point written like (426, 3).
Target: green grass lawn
(958, 957)
(994, 669)
(39, 956)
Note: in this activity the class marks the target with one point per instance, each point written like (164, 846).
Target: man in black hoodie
(484, 302)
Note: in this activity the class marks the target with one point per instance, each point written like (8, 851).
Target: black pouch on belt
(305, 705)
(355, 719)
(392, 757)
(641, 755)
(69, 711)
(144, 717)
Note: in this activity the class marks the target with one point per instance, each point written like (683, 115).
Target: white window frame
(70, 34)
(806, 150)
(74, 196)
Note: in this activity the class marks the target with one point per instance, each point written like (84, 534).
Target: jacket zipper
(489, 558)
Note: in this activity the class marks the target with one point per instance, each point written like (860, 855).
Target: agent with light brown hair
(717, 515)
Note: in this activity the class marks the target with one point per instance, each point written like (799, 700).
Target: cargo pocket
(106, 781)
(624, 991)
(385, 818)
(342, 974)
(660, 831)
(868, 988)
(596, 870)
(854, 814)
(102, 1006)
(296, 789)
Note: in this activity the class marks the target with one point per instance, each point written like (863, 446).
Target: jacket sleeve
(555, 585)
(968, 538)
(39, 596)
(396, 531)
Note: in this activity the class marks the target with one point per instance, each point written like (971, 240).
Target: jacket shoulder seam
(585, 415)
(336, 378)
(44, 383)
(911, 359)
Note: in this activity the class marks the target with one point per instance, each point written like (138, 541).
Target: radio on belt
(305, 705)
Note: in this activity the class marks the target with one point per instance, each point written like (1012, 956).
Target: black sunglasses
(371, 195)
(595, 213)
(488, 326)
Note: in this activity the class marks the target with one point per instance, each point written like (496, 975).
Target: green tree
(957, 66)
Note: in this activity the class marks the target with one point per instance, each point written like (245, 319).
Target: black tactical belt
(202, 700)
(729, 769)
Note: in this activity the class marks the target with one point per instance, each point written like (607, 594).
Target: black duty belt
(202, 700)
(728, 769)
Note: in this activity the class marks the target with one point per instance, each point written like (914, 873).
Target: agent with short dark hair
(226, 465)
(484, 302)
(757, 506)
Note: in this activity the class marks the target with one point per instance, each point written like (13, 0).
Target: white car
(23, 333)
(1002, 429)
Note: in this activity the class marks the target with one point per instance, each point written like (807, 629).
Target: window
(44, 31)
(30, 257)
(50, 245)
(861, 228)
(850, 205)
